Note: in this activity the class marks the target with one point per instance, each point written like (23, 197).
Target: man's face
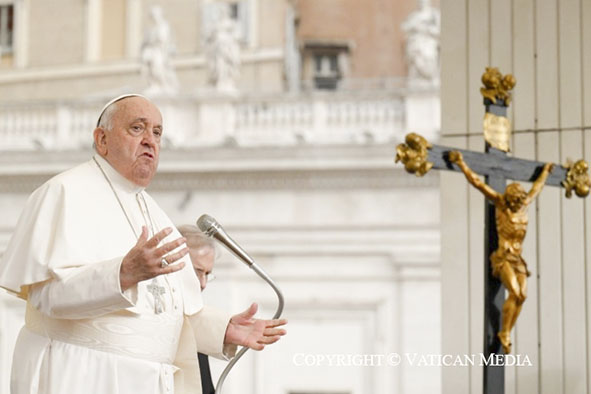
(132, 147)
(515, 196)
(202, 258)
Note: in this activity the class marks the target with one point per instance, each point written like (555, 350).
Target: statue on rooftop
(422, 29)
(156, 52)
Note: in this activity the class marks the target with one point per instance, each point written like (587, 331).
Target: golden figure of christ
(511, 219)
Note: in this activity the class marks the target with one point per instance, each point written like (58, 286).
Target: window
(327, 63)
(6, 29)
(326, 71)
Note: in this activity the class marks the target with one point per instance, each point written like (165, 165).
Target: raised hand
(144, 260)
(243, 330)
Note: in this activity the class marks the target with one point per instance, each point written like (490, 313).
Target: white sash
(147, 337)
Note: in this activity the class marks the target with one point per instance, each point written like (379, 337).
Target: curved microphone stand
(212, 228)
(278, 312)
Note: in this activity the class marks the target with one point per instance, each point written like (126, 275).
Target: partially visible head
(515, 196)
(202, 250)
(128, 136)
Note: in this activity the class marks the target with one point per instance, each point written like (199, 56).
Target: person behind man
(202, 250)
(113, 305)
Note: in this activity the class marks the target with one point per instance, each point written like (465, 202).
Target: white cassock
(82, 333)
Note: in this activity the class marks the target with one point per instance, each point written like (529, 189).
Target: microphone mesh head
(207, 224)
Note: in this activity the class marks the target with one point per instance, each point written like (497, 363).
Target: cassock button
(174, 289)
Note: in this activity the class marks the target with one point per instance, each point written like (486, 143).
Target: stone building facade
(299, 170)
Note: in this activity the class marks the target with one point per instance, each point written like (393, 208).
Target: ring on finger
(164, 263)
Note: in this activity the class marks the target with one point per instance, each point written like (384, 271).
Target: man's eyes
(139, 129)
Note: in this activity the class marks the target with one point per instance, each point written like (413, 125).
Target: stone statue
(511, 219)
(222, 50)
(157, 49)
(422, 29)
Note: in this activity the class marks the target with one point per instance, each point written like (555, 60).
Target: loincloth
(515, 260)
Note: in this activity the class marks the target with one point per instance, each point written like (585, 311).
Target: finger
(171, 258)
(248, 313)
(268, 340)
(257, 346)
(172, 268)
(275, 323)
(271, 332)
(251, 311)
(143, 236)
(158, 237)
(170, 246)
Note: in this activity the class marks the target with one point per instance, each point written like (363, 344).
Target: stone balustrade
(312, 118)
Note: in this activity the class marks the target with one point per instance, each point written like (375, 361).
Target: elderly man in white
(113, 303)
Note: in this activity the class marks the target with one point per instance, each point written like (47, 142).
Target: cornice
(74, 71)
(235, 168)
(253, 180)
(290, 179)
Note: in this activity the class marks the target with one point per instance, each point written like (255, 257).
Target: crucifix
(505, 209)
(157, 291)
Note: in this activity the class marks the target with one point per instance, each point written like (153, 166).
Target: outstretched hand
(243, 330)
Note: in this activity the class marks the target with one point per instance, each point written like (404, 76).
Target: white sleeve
(209, 327)
(82, 292)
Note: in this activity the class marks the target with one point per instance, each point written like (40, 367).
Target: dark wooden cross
(497, 167)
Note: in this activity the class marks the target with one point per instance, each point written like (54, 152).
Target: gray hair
(196, 239)
(105, 120)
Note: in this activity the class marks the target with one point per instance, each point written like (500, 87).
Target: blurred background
(281, 119)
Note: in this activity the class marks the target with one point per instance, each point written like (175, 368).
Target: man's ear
(100, 141)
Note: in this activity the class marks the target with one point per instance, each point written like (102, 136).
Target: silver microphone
(212, 228)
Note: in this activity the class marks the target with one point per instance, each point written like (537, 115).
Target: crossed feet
(505, 338)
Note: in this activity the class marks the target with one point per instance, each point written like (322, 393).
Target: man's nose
(149, 138)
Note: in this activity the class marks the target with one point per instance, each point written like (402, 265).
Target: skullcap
(123, 96)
